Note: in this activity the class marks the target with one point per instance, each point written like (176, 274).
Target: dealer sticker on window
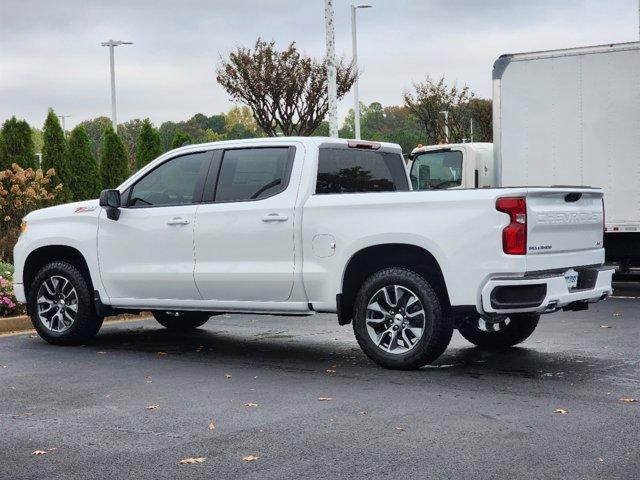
(571, 276)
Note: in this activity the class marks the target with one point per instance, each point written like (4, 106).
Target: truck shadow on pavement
(285, 350)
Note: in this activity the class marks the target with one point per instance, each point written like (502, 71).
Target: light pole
(111, 44)
(331, 68)
(354, 38)
(64, 129)
(446, 125)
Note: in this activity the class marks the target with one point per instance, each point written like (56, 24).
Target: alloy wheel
(57, 304)
(395, 319)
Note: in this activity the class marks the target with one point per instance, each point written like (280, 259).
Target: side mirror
(110, 201)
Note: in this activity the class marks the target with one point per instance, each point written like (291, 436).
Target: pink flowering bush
(9, 306)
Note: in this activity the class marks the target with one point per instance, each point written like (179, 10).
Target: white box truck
(560, 117)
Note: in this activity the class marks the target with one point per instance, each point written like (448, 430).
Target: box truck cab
(459, 165)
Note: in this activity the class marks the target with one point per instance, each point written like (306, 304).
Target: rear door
(244, 233)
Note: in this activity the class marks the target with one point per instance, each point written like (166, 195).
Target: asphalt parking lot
(139, 399)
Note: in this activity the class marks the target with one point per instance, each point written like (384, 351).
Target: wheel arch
(371, 259)
(43, 255)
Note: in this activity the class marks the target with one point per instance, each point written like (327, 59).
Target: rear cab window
(352, 170)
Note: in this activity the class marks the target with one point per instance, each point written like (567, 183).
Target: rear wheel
(499, 333)
(60, 305)
(181, 321)
(399, 321)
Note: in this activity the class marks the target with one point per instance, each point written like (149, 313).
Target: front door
(244, 237)
(147, 254)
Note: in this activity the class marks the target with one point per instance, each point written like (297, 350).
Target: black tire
(438, 326)
(181, 321)
(86, 323)
(517, 330)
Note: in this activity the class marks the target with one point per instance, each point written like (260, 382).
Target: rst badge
(84, 209)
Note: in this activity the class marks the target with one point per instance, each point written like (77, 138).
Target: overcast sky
(50, 53)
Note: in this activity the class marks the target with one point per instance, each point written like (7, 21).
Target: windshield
(437, 170)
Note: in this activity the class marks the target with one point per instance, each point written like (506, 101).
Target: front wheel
(399, 321)
(60, 305)
(181, 321)
(501, 332)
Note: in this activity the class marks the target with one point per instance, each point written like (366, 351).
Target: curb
(23, 323)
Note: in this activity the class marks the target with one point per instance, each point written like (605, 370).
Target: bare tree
(287, 91)
(430, 99)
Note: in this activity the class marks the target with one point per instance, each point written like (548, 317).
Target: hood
(87, 207)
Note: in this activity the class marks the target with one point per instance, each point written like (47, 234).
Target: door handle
(178, 221)
(275, 217)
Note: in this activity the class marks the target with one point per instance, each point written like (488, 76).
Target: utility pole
(112, 44)
(64, 129)
(446, 125)
(354, 43)
(331, 68)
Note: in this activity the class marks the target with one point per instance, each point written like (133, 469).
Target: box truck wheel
(399, 320)
(499, 333)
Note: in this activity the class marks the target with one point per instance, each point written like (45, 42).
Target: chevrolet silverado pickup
(295, 226)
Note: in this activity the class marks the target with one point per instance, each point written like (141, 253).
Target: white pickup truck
(295, 226)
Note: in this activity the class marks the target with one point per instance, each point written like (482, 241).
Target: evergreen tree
(114, 163)
(148, 144)
(17, 145)
(180, 139)
(85, 177)
(54, 155)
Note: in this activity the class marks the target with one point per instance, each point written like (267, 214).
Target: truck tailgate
(564, 220)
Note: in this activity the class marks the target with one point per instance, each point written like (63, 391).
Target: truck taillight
(514, 235)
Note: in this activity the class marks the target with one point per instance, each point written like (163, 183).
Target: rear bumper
(546, 292)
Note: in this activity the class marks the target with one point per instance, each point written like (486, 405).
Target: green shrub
(114, 163)
(85, 178)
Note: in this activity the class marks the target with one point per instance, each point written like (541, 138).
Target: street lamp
(64, 128)
(332, 86)
(446, 124)
(356, 97)
(111, 44)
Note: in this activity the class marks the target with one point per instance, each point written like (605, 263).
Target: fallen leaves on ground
(400, 429)
(199, 348)
(38, 452)
(325, 399)
(329, 370)
(227, 376)
(250, 458)
(153, 407)
(161, 354)
(102, 353)
(605, 326)
(628, 400)
(617, 314)
(600, 460)
(212, 425)
(192, 460)
(249, 404)
(561, 411)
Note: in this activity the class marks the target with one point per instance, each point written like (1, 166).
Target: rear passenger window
(253, 173)
(357, 171)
